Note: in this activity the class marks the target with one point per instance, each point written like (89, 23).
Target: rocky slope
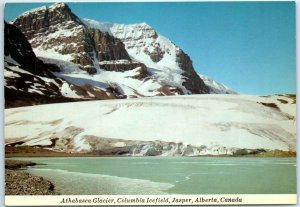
(24, 73)
(168, 126)
(132, 59)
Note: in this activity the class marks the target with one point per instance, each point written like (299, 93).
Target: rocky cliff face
(45, 20)
(192, 82)
(57, 29)
(108, 47)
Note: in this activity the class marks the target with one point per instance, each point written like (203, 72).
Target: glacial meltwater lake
(168, 175)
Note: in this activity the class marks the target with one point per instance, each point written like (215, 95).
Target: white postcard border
(138, 200)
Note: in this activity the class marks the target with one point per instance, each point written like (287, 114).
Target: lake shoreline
(18, 182)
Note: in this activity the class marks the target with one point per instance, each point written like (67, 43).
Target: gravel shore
(18, 182)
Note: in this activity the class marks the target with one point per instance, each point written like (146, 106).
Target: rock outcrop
(123, 65)
(107, 47)
(192, 82)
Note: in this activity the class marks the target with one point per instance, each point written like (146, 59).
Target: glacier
(158, 126)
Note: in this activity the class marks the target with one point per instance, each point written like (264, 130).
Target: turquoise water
(168, 175)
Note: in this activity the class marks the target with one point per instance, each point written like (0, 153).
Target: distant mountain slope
(216, 87)
(132, 59)
(182, 125)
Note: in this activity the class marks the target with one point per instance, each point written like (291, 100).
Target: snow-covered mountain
(132, 60)
(166, 62)
(181, 125)
(216, 87)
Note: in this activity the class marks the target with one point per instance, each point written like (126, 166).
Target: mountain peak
(61, 12)
(111, 27)
(58, 5)
(142, 24)
(45, 19)
(43, 9)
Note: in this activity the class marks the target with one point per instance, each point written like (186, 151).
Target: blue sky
(248, 46)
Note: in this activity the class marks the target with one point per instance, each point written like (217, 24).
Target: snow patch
(67, 91)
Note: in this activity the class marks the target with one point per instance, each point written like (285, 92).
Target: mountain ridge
(75, 46)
